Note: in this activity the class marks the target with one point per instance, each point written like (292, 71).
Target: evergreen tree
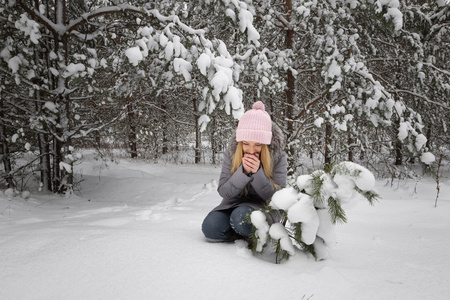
(309, 210)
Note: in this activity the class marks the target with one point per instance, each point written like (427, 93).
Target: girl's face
(252, 148)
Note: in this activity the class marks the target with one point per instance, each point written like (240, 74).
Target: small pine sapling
(309, 210)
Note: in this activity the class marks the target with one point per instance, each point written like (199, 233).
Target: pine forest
(365, 81)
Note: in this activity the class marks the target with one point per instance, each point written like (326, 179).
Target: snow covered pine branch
(201, 61)
(310, 209)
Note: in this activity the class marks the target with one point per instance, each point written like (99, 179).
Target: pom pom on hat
(259, 105)
(255, 125)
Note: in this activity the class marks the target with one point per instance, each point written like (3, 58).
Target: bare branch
(423, 97)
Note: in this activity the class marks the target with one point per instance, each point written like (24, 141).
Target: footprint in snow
(111, 209)
(151, 215)
(156, 213)
(113, 222)
(158, 217)
(29, 221)
(91, 234)
(210, 185)
(144, 215)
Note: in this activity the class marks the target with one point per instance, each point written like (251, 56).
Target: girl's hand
(251, 163)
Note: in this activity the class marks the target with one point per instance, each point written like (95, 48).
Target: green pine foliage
(297, 230)
(281, 254)
(336, 211)
(317, 183)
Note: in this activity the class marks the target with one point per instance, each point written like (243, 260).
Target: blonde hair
(265, 159)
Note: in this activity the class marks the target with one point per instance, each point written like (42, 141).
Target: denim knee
(216, 226)
(238, 220)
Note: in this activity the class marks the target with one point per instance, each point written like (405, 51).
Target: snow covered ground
(133, 232)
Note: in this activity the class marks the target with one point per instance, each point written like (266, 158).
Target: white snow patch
(284, 198)
(233, 102)
(134, 55)
(318, 122)
(183, 67)
(421, 140)
(92, 246)
(258, 219)
(73, 69)
(305, 212)
(14, 64)
(427, 158)
(204, 63)
(403, 130)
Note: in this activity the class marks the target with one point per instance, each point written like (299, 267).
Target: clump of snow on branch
(392, 12)
(258, 219)
(233, 101)
(379, 107)
(427, 158)
(134, 55)
(183, 67)
(406, 130)
(14, 64)
(279, 233)
(246, 24)
(210, 59)
(73, 69)
(29, 27)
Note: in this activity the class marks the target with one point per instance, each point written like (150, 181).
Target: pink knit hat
(255, 125)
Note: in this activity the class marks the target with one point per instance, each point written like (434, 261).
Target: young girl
(254, 167)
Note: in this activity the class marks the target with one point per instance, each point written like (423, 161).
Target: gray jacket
(259, 186)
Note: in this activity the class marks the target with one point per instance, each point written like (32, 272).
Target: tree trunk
(6, 160)
(62, 142)
(350, 142)
(428, 144)
(197, 153)
(43, 138)
(290, 88)
(290, 92)
(44, 160)
(44, 153)
(56, 176)
(398, 153)
(398, 149)
(132, 140)
(328, 148)
(212, 139)
(165, 148)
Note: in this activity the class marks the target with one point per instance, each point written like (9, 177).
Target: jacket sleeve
(263, 185)
(231, 185)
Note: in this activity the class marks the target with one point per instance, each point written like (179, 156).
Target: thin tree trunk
(398, 153)
(328, 132)
(398, 149)
(165, 148)
(350, 142)
(290, 88)
(290, 91)
(56, 176)
(45, 163)
(5, 154)
(44, 153)
(62, 143)
(213, 141)
(132, 143)
(197, 153)
(44, 148)
(428, 144)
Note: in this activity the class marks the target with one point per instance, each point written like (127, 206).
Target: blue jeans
(222, 225)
